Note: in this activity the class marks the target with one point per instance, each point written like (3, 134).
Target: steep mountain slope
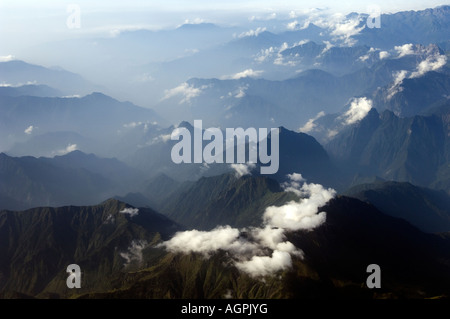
(414, 96)
(427, 209)
(224, 200)
(298, 152)
(38, 244)
(337, 254)
(411, 149)
(422, 26)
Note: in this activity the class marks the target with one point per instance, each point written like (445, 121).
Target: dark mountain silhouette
(38, 244)
(427, 209)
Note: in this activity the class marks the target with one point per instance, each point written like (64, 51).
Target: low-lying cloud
(311, 125)
(243, 169)
(186, 90)
(248, 73)
(252, 33)
(70, 148)
(359, 107)
(431, 63)
(430, 60)
(134, 252)
(7, 58)
(130, 211)
(403, 50)
(29, 130)
(264, 250)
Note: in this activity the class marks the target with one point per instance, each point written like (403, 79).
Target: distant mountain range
(75, 178)
(18, 73)
(96, 116)
(363, 114)
(258, 102)
(413, 149)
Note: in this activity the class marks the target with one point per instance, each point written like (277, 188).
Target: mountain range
(413, 149)
(87, 174)
(333, 266)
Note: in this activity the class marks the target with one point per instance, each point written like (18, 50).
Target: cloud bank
(264, 250)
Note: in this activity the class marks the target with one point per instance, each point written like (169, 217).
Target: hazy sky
(24, 23)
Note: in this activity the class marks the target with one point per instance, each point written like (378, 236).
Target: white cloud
(332, 133)
(328, 46)
(293, 25)
(383, 55)
(241, 91)
(359, 107)
(280, 58)
(195, 21)
(265, 54)
(134, 252)
(132, 124)
(243, 169)
(29, 129)
(310, 125)
(248, 73)
(165, 137)
(266, 265)
(110, 219)
(364, 57)
(252, 33)
(68, 149)
(303, 214)
(431, 63)
(406, 49)
(396, 87)
(130, 211)
(228, 294)
(7, 58)
(207, 242)
(345, 30)
(187, 91)
(248, 248)
(144, 77)
(431, 60)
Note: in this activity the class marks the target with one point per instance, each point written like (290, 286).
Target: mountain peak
(197, 26)
(186, 124)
